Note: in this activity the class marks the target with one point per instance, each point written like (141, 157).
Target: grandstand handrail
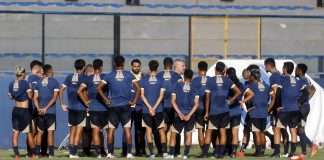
(160, 14)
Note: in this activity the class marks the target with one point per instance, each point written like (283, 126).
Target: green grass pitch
(194, 153)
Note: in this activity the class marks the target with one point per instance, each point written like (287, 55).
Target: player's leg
(31, 142)
(187, 144)
(96, 140)
(149, 140)
(41, 127)
(263, 143)
(110, 140)
(207, 142)
(14, 139)
(113, 122)
(235, 141)
(222, 141)
(50, 142)
(235, 125)
(125, 119)
(200, 126)
(189, 128)
(77, 138)
(159, 127)
(293, 133)
(140, 134)
(163, 141)
(172, 144)
(102, 143)
(285, 140)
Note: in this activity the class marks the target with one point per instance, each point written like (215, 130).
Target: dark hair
(244, 70)
(303, 67)
(252, 66)
(154, 65)
(136, 61)
(35, 63)
(289, 67)
(119, 61)
(188, 73)
(270, 61)
(220, 66)
(97, 64)
(203, 66)
(255, 73)
(46, 68)
(231, 72)
(79, 64)
(168, 62)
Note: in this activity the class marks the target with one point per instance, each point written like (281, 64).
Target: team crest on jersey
(219, 81)
(261, 86)
(16, 86)
(96, 79)
(152, 79)
(203, 80)
(119, 75)
(292, 81)
(186, 87)
(167, 75)
(75, 78)
(45, 81)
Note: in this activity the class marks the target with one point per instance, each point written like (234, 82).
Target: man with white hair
(179, 66)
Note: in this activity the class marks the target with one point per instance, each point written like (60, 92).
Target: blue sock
(15, 149)
(51, 150)
(32, 150)
(186, 151)
(293, 148)
(286, 147)
(97, 149)
(308, 141)
(234, 149)
(171, 150)
(150, 147)
(277, 148)
(164, 147)
(221, 150)
(110, 148)
(302, 137)
(37, 150)
(129, 148)
(206, 148)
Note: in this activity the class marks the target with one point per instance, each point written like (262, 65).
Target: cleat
(313, 150)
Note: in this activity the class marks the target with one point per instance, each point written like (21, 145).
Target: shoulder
(102, 75)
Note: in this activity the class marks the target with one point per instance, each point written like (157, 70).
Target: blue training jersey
(120, 84)
(170, 79)
(235, 108)
(73, 82)
(46, 88)
(152, 85)
(219, 87)
(305, 82)
(18, 90)
(32, 80)
(96, 101)
(274, 79)
(290, 93)
(260, 100)
(185, 97)
(199, 83)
